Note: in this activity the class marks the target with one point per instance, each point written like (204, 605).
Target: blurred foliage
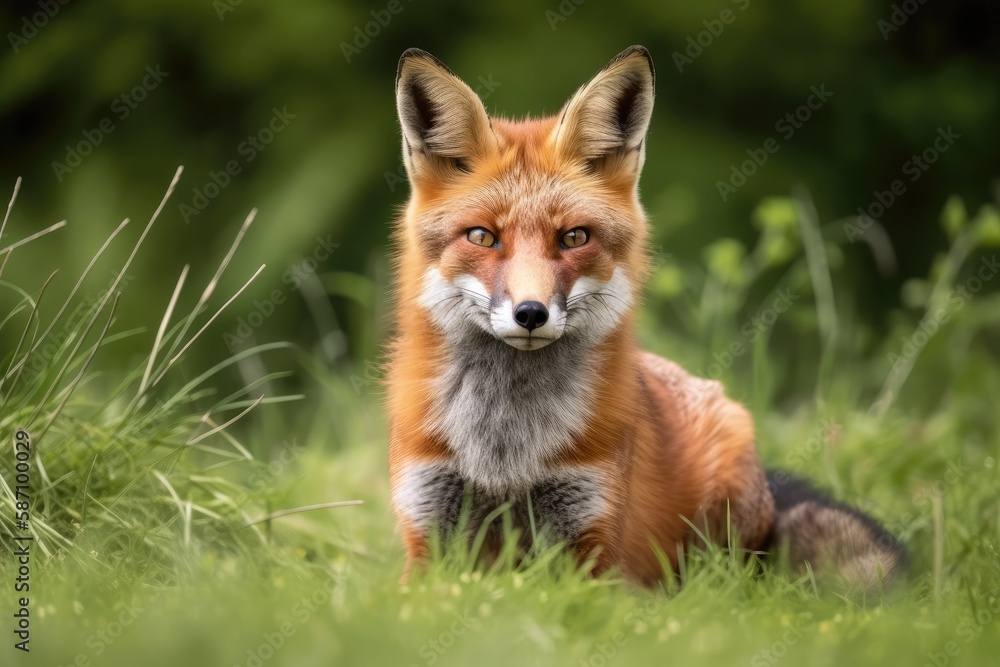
(232, 73)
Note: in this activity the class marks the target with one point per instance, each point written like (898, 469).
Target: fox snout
(590, 310)
(529, 324)
(528, 310)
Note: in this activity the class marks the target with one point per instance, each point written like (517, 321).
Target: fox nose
(531, 315)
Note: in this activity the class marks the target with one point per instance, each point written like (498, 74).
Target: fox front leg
(426, 497)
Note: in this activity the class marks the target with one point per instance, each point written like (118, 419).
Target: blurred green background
(300, 100)
(289, 108)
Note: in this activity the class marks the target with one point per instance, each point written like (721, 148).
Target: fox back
(514, 377)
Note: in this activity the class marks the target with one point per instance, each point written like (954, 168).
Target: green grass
(210, 603)
(153, 548)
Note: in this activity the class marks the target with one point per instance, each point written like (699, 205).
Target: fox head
(529, 230)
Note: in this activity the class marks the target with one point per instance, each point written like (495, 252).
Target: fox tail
(835, 539)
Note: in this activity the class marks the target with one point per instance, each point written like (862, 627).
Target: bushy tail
(834, 538)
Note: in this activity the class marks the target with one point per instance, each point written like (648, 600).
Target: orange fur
(672, 448)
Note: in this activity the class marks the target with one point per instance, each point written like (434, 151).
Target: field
(193, 469)
(159, 532)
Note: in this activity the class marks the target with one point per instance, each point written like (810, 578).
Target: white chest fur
(505, 413)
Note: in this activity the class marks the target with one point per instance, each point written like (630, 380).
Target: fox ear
(445, 126)
(609, 116)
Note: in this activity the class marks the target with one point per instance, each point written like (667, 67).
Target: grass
(161, 537)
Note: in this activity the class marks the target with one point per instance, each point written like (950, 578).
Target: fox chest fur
(506, 418)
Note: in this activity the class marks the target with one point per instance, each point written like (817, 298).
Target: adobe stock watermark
(293, 277)
(121, 108)
(223, 7)
(363, 35)
(786, 126)
(914, 168)
(924, 498)
(658, 256)
(954, 475)
(713, 30)
(299, 615)
(638, 620)
(248, 150)
(770, 656)
(777, 303)
(796, 458)
(972, 624)
(968, 629)
(565, 10)
(257, 482)
(931, 323)
(371, 374)
(101, 640)
(900, 14)
(432, 650)
(31, 25)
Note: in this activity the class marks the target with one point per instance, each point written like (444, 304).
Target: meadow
(191, 361)
(161, 529)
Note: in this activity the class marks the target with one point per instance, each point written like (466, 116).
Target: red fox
(515, 377)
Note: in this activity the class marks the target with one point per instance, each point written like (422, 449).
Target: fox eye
(575, 238)
(482, 237)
